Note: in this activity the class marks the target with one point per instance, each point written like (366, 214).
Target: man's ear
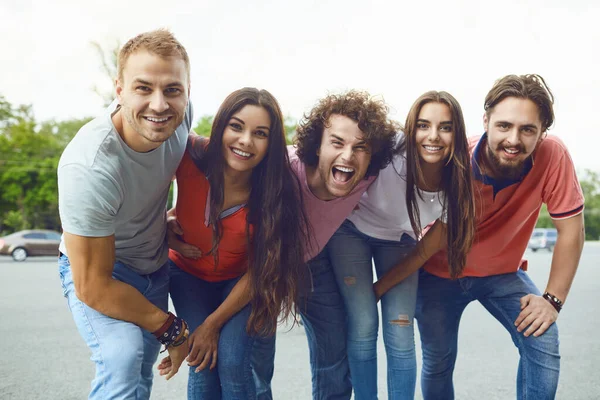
(118, 89)
(319, 151)
(485, 122)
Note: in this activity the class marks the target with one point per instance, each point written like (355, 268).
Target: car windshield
(537, 234)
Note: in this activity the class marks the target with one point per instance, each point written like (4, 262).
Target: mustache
(519, 147)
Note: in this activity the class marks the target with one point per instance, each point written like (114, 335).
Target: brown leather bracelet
(159, 332)
(555, 301)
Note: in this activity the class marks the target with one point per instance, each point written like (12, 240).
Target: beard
(511, 170)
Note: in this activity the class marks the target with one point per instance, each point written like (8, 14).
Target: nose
(513, 136)
(347, 153)
(245, 138)
(158, 102)
(434, 134)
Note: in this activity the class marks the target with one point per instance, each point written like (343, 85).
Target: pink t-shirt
(325, 217)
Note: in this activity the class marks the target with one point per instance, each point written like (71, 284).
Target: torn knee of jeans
(350, 280)
(402, 320)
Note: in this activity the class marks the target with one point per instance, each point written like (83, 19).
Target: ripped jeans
(352, 253)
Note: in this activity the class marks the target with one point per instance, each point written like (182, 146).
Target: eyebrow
(243, 123)
(533, 126)
(146, 83)
(427, 121)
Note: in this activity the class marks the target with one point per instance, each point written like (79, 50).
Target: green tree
(29, 154)
(590, 185)
(204, 126)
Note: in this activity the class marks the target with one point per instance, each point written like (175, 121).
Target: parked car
(543, 238)
(29, 243)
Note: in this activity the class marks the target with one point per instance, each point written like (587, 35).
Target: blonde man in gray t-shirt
(113, 181)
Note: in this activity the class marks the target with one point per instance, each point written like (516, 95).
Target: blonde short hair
(160, 42)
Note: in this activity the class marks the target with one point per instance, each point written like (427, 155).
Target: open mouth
(511, 151)
(433, 149)
(342, 174)
(241, 154)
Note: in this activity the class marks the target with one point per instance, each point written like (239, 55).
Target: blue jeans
(440, 304)
(352, 253)
(194, 300)
(123, 352)
(324, 319)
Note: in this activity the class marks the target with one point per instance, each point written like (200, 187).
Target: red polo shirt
(507, 211)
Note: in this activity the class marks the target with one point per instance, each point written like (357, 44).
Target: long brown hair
(276, 268)
(458, 203)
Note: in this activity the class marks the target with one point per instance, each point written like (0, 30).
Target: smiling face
(246, 139)
(344, 158)
(514, 129)
(153, 94)
(434, 134)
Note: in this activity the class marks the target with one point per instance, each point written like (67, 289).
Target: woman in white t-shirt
(428, 182)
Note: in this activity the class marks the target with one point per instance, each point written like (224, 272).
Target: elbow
(89, 293)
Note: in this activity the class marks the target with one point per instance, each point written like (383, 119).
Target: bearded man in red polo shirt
(517, 167)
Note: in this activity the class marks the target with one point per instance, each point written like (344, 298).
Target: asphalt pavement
(43, 356)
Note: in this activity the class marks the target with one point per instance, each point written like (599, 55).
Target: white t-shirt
(382, 211)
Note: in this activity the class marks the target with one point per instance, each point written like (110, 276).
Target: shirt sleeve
(562, 192)
(88, 201)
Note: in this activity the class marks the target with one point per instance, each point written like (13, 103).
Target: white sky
(301, 50)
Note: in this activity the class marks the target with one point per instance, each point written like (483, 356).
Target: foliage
(590, 186)
(30, 151)
(29, 154)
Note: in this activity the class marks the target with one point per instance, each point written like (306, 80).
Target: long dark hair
(458, 203)
(276, 265)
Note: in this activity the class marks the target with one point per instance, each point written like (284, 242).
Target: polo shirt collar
(497, 184)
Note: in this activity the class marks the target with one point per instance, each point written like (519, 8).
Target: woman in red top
(238, 263)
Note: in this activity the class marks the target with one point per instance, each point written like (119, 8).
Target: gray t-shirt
(105, 188)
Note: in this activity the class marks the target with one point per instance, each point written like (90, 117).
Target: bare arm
(92, 262)
(433, 241)
(567, 252)
(537, 314)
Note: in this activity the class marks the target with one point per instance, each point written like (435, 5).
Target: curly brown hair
(371, 115)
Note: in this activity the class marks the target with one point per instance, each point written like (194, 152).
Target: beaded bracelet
(555, 301)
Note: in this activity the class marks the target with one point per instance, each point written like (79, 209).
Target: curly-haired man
(341, 145)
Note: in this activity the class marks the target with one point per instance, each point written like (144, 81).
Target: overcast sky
(301, 50)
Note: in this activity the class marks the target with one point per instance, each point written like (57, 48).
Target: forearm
(121, 301)
(433, 241)
(237, 299)
(565, 260)
(92, 263)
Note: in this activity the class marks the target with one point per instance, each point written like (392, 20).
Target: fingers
(522, 315)
(196, 356)
(543, 328)
(172, 373)
(525, 301)
(190, 251)
(205, 362)
(214, 360)
(173, 226)
(535, 324)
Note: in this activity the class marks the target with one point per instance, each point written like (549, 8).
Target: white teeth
(511, 151)
(241, 153)
(345, 169)
(156, 119)
(433, 148)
